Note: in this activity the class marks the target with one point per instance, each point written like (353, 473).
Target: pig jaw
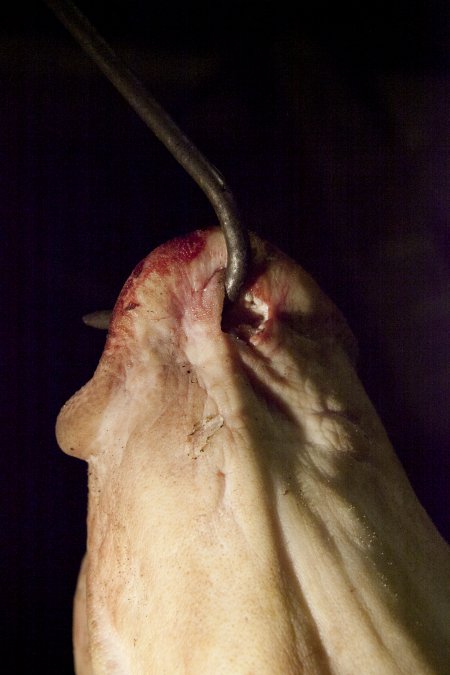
(246, 513)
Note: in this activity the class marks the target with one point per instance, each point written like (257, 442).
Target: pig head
(247, 513)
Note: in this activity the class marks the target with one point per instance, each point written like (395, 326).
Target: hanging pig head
(247, 513)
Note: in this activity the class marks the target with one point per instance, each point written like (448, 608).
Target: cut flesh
(247, 513)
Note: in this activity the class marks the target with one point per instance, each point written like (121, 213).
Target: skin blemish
(198, 438)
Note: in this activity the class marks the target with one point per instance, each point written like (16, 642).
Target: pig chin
(246, 511)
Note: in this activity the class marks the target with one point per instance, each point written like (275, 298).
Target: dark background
(331, 123)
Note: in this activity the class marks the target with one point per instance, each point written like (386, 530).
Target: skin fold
(247, 514)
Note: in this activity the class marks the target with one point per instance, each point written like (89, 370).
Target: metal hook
(185, 152)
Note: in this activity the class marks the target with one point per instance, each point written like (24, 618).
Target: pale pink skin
(247, 514)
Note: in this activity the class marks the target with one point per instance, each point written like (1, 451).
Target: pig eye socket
(247, 317)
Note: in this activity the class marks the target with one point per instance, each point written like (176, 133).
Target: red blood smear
(138, 269)
(166, 258)
(176, 252)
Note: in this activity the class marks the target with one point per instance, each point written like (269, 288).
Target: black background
(331, 123)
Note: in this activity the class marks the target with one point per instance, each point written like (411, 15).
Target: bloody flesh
(247, 513)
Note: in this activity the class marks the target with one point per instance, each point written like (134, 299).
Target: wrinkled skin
(247, 514)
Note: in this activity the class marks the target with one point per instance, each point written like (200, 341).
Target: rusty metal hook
(166, 130)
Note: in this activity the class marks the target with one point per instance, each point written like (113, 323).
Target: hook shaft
(166, 130)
